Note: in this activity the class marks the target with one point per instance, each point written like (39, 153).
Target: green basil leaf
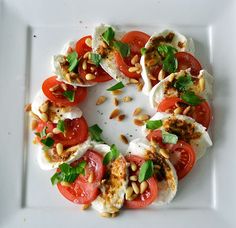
(72, 58)
(95, 58)
(43, 133)
(143, 50)
(191, 98)
(146, 171)
(169, 138)
(170, 64)
(95, 133)
(48, 142)
(123, 48)
(56, 178)
(108, 35)
(119, 85)
(61, 125)
(38, 134)
(165, 50)
(183, 83)
(153, 124)
(111, 155)
(70, 95)
(65, 168)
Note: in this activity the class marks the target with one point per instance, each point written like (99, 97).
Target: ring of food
(92, 173)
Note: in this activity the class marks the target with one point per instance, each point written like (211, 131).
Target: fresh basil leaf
(95, 58)
(61, 125)
(123, 48)
(183, 83)
(65, 168)
(108, 35)
(191, 98)
(38, 134)
(111, 155)
(43, 133)
(56, 178)
(153, 124)
(143, 50)
(47, 142)
(169, 138)
(70, 95)
(95, 133)
(165, 50)
(119, 85)
(170, 64)
(72, 58)
(146, 171)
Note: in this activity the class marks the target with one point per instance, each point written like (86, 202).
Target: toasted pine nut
(134, 59)
(59, 148)
(153, 142)
(137, 111)
(171, 77)
(27, 107)
(113, 215)
(133, 178)
(101, 100)
(43, 107)
(161, 75)
(144, 117)
(135, 187)
(49, 135)
(127, 99)
(64, 86)
(202, 84)
(44, 117)
(65, 183)
(90, 76)
(133, 69)
(105, 215)
(53, 88)
(84, 65)
(121, 117)
(153, 149)
(138, 122)
(140, 86)
(129, 192)
(92, 68)
(86, 55)
(133, 166)
(164, 153)
(67, 76)
(138, 65)
(132, 197)
(34, 124)
(186, 110)
(151, 62)
(124, 139)
(116, 92)
(79, 80)
(114, 113)
(143, 187)
(178, 110)
(88, 42)
(85, 206)
(116, 101)
(150, 76)
(103, 44)
(34, 116)
(91, 177)
(56, 131)
(133, 81)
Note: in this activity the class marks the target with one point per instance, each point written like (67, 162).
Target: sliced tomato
(81, 191)
(136, 40)
(76, 131)
(154, 71)
(150, 194)
(57, 96)
(186, 60)
(182, 155)
(201, 113)
(81, 47)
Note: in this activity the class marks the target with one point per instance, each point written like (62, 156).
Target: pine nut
(59, 148)
(161, 75)
(44, 117)
(53, 88)
(67, 76)
(84, 65)
(129, 192)
(33, 115)
(90, 77)
(34, 124)
(92, 68)
(63, 86)
(116, 101)
(86, 55)
(88, 42)
(79, 81)
(56, 131)
(202, 84)
(133, 197)
(134, 59)
(65, 183)
(113, 215)
(133, 166)
(144, 117)
(43, 107)
(27, 107)
(133, 81)
(127, 99)
(151, 62)
(103, 44)
(138, 65)
(164, 153)
(101, 100)
(135, 187)
(133, 69)
(137, 111)
(85, 206)
(153, 142)
(117, 92)
(121, 117)
(105, 215)
(140, 86)
(114, 113)
(49, 135)
(178, 110)
(91, 177)
(124, 139)
(133, 178)
(143, 187)
(138, 122)
(171, 77)
(186, 110)
(151, 77)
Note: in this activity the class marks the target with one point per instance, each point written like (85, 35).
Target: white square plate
(32, 31)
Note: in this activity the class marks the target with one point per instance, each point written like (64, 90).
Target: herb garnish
(70, 95)
(111, 155)
(72, 58)
(95, 58)
(191, 98)
(183, 83)
(108, 35)
(95, 133)
(146, 171)
(153, 124)
(123, 48)
(169, 138)
(119, 85)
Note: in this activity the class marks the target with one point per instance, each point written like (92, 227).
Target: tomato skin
(149, 195)
(81, 47)
(202, 112)
(186, 60)
(60, 100)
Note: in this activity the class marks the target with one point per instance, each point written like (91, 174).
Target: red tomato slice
(81, 191)
(136, 41)
(81, 47)
(182, 155)
(201, 113)
(76, 131)
(59, 99)
(149, 195)
(186, 60)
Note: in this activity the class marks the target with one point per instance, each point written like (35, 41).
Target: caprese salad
(92, 173)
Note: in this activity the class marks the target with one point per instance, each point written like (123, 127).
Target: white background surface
(32, 31)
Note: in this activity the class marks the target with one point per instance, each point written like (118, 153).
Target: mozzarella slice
(56, 113)
(58, 71)
(167, 187)
(76, 152)
(200, 145)
(158, 92)
(180, 42)
(108, 63)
